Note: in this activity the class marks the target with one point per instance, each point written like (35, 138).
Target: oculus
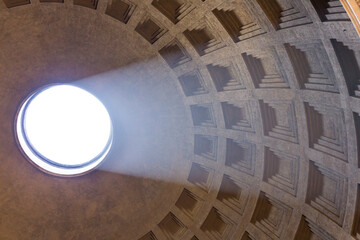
(64, 130)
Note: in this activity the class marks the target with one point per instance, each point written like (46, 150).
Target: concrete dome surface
(232, 119)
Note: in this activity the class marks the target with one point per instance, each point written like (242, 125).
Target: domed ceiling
(233, 119)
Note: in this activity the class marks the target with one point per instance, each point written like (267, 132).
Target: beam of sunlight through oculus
(64, 130)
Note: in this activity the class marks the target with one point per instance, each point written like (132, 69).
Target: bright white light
(64, 128)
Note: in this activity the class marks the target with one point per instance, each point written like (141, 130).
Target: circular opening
(64, 130)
